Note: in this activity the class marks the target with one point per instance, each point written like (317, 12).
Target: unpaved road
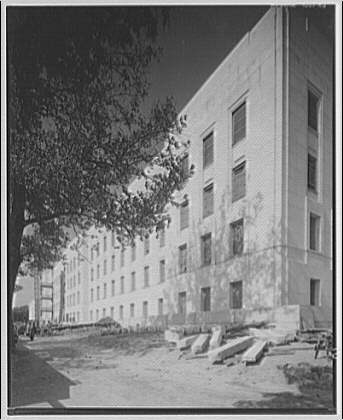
(141, 371)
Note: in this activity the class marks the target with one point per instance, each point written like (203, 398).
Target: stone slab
(186, 342)
(254, 353)
(172, 336)
(216, 339)
(201, 343)
(229, 349)
(274, 336)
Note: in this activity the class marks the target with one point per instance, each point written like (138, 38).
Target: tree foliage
(79, 133)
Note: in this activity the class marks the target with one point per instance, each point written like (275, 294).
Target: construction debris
(273, 336)
(217, 337)
(200, 344)
(173, 336)
(186, 342)
(254, 353)
(229, 349)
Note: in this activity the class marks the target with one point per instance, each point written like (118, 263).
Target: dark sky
(197, 39)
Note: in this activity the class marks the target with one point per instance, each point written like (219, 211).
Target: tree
(78, 131)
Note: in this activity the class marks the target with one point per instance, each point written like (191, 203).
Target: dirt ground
(144, 370)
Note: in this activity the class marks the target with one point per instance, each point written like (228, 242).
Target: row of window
(71, 265)
(71, 299)
(235, 302)
(237, 244)
(133, 282)
(71, 281)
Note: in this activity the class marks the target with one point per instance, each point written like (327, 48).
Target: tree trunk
(17, 224)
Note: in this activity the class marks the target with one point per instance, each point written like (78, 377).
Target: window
(162, 235)
(146, 245)
(112, 312)
(105, 267)
(78, 278)
(205, 304)
(105, 291)
(183, 258)
(133, 281)
(78, 298)
(121, 312)
(311, 172)
(162, 271)
(92, 254)
(208, 201)
(314, 292)
(78, 316)
(113, 239)
(146, 276)
(122, 284)
(208, 150)
(206, 249)
(73, 299)
(184, 215)
(133, 252)
(145, 309)
(312, 111)
(314, 232)
(185, 166)
(239, 123)
(238, 182)
(236, 294)
(97, 314)
(103, 312)
(112, 287)
(74, 280)
(105, 243)
(97, 249)
(237, 236)
(92, 274)
(98, 293)
(98, 271)
(112, 262)
(132, 310)
(122, 257)
(182, 303)
(91, 315)
(160, 306)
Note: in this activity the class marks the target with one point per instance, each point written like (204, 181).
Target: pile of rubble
(246, 344)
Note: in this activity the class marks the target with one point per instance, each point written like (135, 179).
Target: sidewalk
(33, 381)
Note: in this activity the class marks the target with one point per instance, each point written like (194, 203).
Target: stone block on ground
(255, 352)
(274, 336)
(172, 336)
(201, 343)
(229, 349)
(186, 342)
(217, 337)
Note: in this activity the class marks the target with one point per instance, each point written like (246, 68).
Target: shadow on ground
(315, 384)
(33, 381)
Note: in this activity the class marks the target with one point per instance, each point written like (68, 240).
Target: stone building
(252, 237)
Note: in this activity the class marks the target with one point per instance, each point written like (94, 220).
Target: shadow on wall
(33, 381)
(258, 267)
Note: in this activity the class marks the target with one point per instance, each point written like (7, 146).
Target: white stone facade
(269, 74)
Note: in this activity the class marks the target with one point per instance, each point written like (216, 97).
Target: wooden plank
(254, 352)
(229, 349)
(200, 344)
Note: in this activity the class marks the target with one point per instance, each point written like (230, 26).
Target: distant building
(253, 233)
